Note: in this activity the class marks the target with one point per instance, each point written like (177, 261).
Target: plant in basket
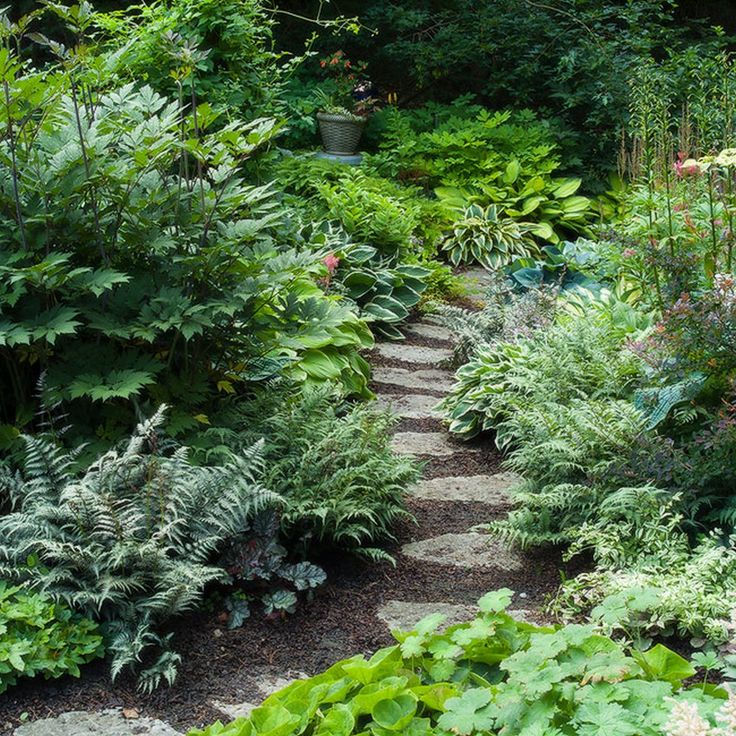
(346, 100)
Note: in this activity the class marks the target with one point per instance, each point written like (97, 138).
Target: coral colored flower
(332, 262)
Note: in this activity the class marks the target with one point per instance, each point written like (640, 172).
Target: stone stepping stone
(414, 353)
(431, 331)
(468, 550)
(405, 615)
(268, 685)
(476, 281)
(411, 406)
(429, 380)
(487, 489)
(426, 443)
(109, 722)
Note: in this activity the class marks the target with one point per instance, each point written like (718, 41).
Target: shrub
(331, 462)
(491, 675)
(130, 542)
(40, 637)
(140, 266)
(223, 49)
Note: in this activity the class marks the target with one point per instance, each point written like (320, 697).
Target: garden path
(442, 564)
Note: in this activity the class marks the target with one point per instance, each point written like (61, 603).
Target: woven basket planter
(340, 134)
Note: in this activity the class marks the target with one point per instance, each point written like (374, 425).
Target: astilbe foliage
(130, 541)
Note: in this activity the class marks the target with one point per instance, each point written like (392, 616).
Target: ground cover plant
(495, 674)
(42, 638)
(132, 541)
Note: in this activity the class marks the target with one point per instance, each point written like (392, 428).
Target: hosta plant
(41, 638)
(130, 542)
(384, 291)
(484, 235)
(490, 675)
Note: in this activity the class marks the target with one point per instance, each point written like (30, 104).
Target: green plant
(331, 463)
(130, 542)
(482, 236)
(492, 674)
(224, 50)
(384, 293)
(140, 266)
(575, 358)
(40, 637)
(649, 579)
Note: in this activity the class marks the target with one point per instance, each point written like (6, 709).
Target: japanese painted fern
(130, 542)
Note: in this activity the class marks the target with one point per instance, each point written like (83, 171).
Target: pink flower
(332, 262)
(629, 253)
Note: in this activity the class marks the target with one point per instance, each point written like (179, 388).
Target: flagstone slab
(428, 330)
(411, 406)
(269, 685)
(420, 354)
(427, 443)
(405, 615)
(429, 379)
(109, 722)
(468, 550)
(488, 489)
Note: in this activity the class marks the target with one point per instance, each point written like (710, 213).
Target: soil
(222, 665)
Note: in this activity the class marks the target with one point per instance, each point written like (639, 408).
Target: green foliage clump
(649, 578)
(482, 236)
(372, 210)
(140, 266)
(224, 50)
(130, 542)
(40, 637)
(573, 359)
(491, 675)
(331, 463)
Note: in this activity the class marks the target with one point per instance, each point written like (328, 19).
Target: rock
(426, 443)
(488, 489)
(110, 722)
(428, 330)
(268, 685)
(468, 550)
(429, 380)
(414, 353)
(405, 615)
(477, 281)
(411, 406)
